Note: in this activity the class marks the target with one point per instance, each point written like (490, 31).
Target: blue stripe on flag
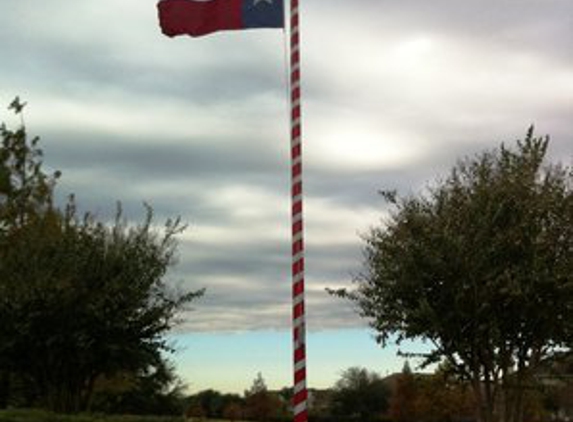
(263, 14)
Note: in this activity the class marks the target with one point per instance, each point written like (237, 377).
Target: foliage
(402, 402)
(440, 397)
(260, 404)
(482, 267)
(213, 404)
(79, 299)
(360, 393)
(25, 190)
(154, 390)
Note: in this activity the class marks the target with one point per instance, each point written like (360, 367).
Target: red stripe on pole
(295, 150)
(297, 170)
(295, 94)
(298, 310)
(294, 38)
(295, 56)
(301, 395)
(298, 288)
(297, 227)
(299, 354)
(297, 208)
(295, 132)
(301, 417)
(294, 20)
(297, 247)
(295, 113)
(295, 75)
(297, 189)
(300, 376)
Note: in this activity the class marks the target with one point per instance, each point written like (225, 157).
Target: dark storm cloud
(155, 159)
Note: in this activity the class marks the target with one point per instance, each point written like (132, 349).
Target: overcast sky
(393, 93)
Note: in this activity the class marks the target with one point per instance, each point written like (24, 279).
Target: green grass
(34, 415)
(43, 416)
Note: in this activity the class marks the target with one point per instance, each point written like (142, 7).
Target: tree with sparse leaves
(480, 266)
(260, 404)
(79, 299)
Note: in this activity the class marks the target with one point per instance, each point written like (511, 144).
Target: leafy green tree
(480, 266)
(361, 394)
(79, 299)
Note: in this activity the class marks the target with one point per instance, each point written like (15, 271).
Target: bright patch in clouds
(345, 139)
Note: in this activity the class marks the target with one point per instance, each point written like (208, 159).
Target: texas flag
(201, 17)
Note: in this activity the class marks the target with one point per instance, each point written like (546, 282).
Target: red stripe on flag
(197, 18)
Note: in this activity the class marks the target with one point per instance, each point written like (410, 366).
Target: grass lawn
(43, 416)
(35, 415)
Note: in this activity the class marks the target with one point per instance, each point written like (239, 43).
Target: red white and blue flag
(201, 17)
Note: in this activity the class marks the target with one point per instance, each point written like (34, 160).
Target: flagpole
(300, 394)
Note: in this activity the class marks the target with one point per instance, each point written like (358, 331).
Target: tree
(260, 405)
(360, 394)
(233, 411)
(403, 400)
(79, 299)
(154, 390)
(25, 189)
(215, 405)
(442, 397)
(481, 266)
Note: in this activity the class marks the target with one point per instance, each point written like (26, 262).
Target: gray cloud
(394, 93)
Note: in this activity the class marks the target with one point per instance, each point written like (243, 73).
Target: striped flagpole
(298, 312)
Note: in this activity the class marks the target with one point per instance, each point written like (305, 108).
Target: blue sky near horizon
(234, 359)
(394, 92)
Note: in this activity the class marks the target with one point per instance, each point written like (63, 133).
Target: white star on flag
(267, 1)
